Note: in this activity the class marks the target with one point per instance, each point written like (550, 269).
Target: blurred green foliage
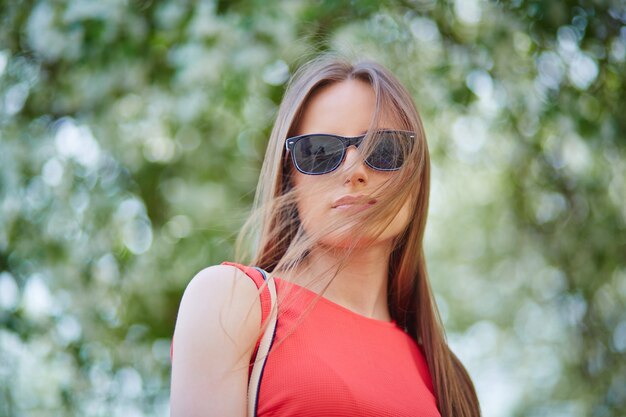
(131, 135)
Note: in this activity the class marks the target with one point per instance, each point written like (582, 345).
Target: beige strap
(264, 347)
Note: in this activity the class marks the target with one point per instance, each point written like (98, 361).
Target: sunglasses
(321, 153)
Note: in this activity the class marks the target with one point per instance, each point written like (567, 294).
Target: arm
(216, 330)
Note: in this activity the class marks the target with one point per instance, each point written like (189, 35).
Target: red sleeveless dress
(329, 361)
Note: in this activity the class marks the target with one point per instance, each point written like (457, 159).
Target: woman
(341, 210)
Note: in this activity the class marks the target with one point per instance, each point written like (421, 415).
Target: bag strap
(264, 346)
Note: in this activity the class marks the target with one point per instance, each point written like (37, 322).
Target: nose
(354, 167)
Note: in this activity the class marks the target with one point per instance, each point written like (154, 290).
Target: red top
(336, 362)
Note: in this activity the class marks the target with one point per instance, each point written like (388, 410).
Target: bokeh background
(131, 137)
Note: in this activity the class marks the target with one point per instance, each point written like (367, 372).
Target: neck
(360, 283)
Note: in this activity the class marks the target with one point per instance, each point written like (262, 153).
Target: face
(345, 108)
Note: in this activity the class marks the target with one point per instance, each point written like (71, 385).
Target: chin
(350, 235)
(349, 240)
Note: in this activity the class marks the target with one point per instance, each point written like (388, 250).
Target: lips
(349, 201)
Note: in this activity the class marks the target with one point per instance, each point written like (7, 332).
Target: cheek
(310, 200)
(308, 211)
(399, 223)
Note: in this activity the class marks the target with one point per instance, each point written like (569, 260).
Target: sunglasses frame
(346, 141)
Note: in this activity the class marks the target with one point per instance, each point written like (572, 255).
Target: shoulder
(220, 279)
(221, 299)
(217, 327)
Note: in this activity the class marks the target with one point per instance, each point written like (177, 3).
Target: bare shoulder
(215, 281)
(218, 275)
(224, 292)
(217, 327)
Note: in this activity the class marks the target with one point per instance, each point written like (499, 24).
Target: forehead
(343, 108)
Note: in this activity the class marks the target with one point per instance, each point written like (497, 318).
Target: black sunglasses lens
(318, 154)
(390, 150)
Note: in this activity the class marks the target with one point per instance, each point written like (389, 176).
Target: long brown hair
(279, 241)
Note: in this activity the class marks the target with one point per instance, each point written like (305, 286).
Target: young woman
(339, 222)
